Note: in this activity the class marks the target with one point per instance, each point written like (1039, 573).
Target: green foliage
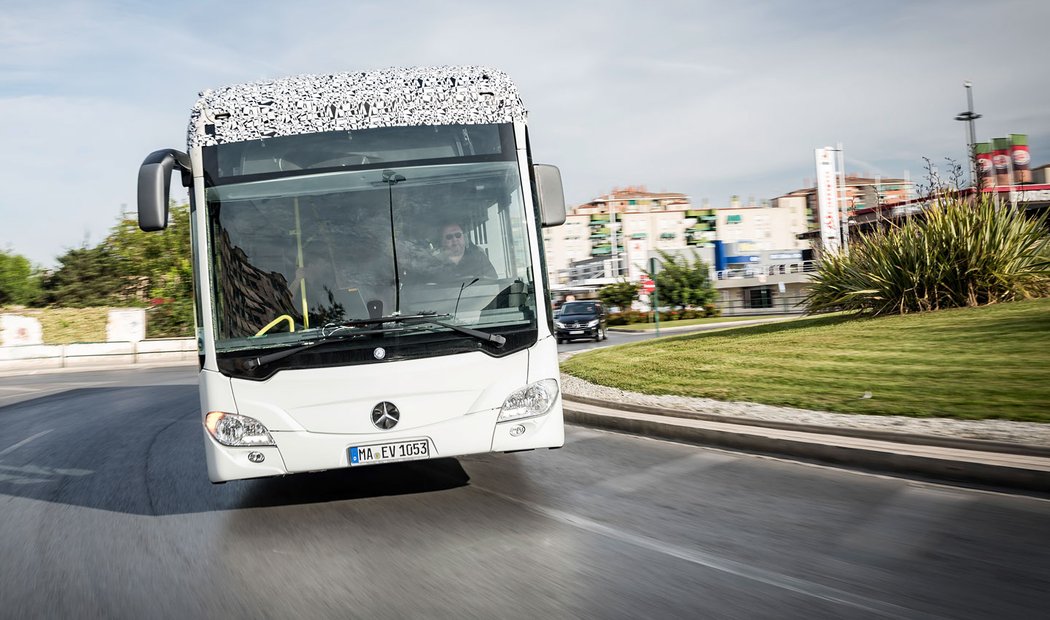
(158, 266)
(66, 325)
(681, 283)
(621, 294)
(628, 317)
(133, 268)
(85, 277)
(631, 317)
(961, 252)
(19, 282)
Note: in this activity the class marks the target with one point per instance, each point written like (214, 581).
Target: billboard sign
(1021, 158)
(828, 199)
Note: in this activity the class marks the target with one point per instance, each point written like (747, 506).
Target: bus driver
(462, 258)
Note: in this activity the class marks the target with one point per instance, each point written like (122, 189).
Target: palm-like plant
(962, 251)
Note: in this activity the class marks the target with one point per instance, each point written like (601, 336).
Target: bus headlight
(231, 429)
(532, 400)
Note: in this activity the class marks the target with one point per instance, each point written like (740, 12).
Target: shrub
(961, 251)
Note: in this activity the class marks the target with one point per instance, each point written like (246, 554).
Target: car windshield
(579, 307)
(294, 253)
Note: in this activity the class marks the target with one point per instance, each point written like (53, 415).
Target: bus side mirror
(155, 186)
(550, 195)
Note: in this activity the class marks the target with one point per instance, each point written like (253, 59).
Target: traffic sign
(648, 286)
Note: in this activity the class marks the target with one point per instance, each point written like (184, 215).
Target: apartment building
(862, 192)
(613, 237)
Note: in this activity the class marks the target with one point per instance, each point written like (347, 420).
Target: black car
(581, 319)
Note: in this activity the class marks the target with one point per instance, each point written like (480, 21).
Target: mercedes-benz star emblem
(385, 416)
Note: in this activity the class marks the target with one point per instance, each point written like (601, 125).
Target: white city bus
(368, 268)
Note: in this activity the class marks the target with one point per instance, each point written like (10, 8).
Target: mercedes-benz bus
(369, 271)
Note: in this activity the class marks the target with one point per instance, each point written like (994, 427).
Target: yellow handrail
(283, 317)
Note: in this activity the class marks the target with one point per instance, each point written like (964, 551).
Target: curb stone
(984, 463)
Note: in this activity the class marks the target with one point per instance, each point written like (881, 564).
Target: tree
(681, 283)
(19, 282)
(157, 267)
(85, 277)
(621, 294)
(132, 267)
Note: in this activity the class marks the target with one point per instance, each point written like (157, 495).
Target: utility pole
(840, 158)
(970, 117)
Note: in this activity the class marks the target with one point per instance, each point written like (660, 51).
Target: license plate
(576, 331)
(389, 452)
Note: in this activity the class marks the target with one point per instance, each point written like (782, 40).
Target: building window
(733, 219)
(761, 297)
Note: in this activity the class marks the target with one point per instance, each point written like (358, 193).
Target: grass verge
(67, 325)
(970, 363)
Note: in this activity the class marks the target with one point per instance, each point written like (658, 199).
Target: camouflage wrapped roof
(350, 101)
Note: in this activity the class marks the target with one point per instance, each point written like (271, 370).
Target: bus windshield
(295, 252)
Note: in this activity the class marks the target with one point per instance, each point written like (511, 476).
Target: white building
(757, 260)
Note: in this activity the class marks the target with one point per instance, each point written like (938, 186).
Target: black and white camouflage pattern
(352, 101)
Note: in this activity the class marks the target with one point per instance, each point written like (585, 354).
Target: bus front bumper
(302, 451)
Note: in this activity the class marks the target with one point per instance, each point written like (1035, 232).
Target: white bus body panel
(315, 415)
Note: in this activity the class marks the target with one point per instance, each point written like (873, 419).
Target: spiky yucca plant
(962, 251)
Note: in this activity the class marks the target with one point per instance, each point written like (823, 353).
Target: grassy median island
(973, 363)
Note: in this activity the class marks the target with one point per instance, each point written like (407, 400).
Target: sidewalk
(946, 456)
(672, 328)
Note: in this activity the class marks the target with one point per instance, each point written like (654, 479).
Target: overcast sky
(706, 98)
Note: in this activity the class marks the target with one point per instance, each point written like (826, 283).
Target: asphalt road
(106, 511)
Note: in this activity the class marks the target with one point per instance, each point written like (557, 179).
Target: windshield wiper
(255, 362)
(495, 339)
(424, 317)
(337, 333)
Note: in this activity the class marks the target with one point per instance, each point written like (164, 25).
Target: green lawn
(638, 327)
(991, 362)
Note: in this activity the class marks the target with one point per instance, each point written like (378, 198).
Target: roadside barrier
(87, 354)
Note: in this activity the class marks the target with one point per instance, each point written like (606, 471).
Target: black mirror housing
(154, 186)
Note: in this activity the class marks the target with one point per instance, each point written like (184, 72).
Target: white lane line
(778, 580)
(24, 442)
(48, 389)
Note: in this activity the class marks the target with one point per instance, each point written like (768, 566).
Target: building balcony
(764, 275)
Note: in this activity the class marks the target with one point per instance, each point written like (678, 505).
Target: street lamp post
(970, 117)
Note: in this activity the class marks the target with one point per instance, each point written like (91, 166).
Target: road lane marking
(24, 442)
(732, 567)
(34, 474)
(23, 394)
